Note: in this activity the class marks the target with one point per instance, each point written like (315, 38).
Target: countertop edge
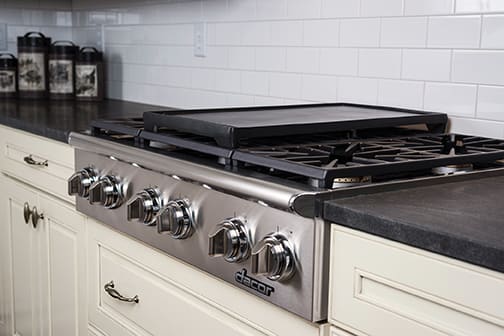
(436, 242)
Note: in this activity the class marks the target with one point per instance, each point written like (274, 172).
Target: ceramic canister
(33, 79)
(8, 76)
(62, 70)
(89, 74)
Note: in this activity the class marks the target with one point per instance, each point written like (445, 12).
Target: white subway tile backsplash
(409, 32)
(455, 99)
(382, 63)
(428, 7)
(177, 76)
(478, 66)
(360, 33)
(341, 61)
(492, 36)
(303, 9)
(214, 10)
(256, 33)
(216, 57)
(203, 79)
(285, 85)
(490, 103)
(227, 80)
(241, 9)
(288, 33)
(267, 101)
(271, 9)
(242, 58)
(471, 126)
(237, 100)
(406, 94)
(358, 90)
(270, 59)
(477, 6)
(305, 60)
(444, 55)
(373, 8)
(255, 83)
(321, 33)
(228, 33)
(340, 8)
(454, 32)
(319, 88)
(426, 64)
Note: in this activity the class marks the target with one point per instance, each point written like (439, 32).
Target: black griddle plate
(230, 126)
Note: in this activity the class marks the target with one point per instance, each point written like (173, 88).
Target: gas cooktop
(402, 144)
(237, 192)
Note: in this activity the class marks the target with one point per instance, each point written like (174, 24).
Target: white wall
(51, 17)
(442, 55)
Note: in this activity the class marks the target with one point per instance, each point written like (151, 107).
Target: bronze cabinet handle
(109, 288)
(36, 217)
(29, 160)
(26, 212)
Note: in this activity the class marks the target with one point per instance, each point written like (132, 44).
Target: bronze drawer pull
(29, 160)
(109, 288)
(26, 212)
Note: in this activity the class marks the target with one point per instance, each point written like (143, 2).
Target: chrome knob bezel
(273, 257)
(107, 192)
(80, 182)
(176, 219)
(230, 241)
(144, 206)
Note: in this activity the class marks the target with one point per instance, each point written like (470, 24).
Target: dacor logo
(244, 279)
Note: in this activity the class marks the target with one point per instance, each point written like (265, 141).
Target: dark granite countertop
(463, 220)
(56, 119)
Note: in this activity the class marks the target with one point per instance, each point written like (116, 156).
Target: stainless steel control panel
(268, 252)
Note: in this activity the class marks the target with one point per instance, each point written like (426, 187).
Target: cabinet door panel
(63, 247)
(24, 259)
(379, 287)
(5, 268)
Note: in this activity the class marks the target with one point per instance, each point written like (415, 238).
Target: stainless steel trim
(270, 193)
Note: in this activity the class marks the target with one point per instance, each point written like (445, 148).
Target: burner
(345, 182)
(452, 169)
(453, 144)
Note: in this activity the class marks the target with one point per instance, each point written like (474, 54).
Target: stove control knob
(106, 191)
(273, 257)
(230, 241)
(176, 219)
(79, 183)
(144, 206)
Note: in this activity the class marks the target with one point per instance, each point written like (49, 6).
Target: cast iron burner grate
(326, 162)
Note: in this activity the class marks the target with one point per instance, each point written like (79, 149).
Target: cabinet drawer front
(378, 287)
(51, 177)
(163, 308)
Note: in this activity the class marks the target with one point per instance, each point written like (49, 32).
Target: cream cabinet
(379, 287)
(167, 297)
(54, 273)
(44, 282)
(43, 240)
(37, 161)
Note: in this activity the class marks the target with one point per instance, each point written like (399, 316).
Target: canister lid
(33, 39)
(63, 47)
(89, 54)
(8, 61)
